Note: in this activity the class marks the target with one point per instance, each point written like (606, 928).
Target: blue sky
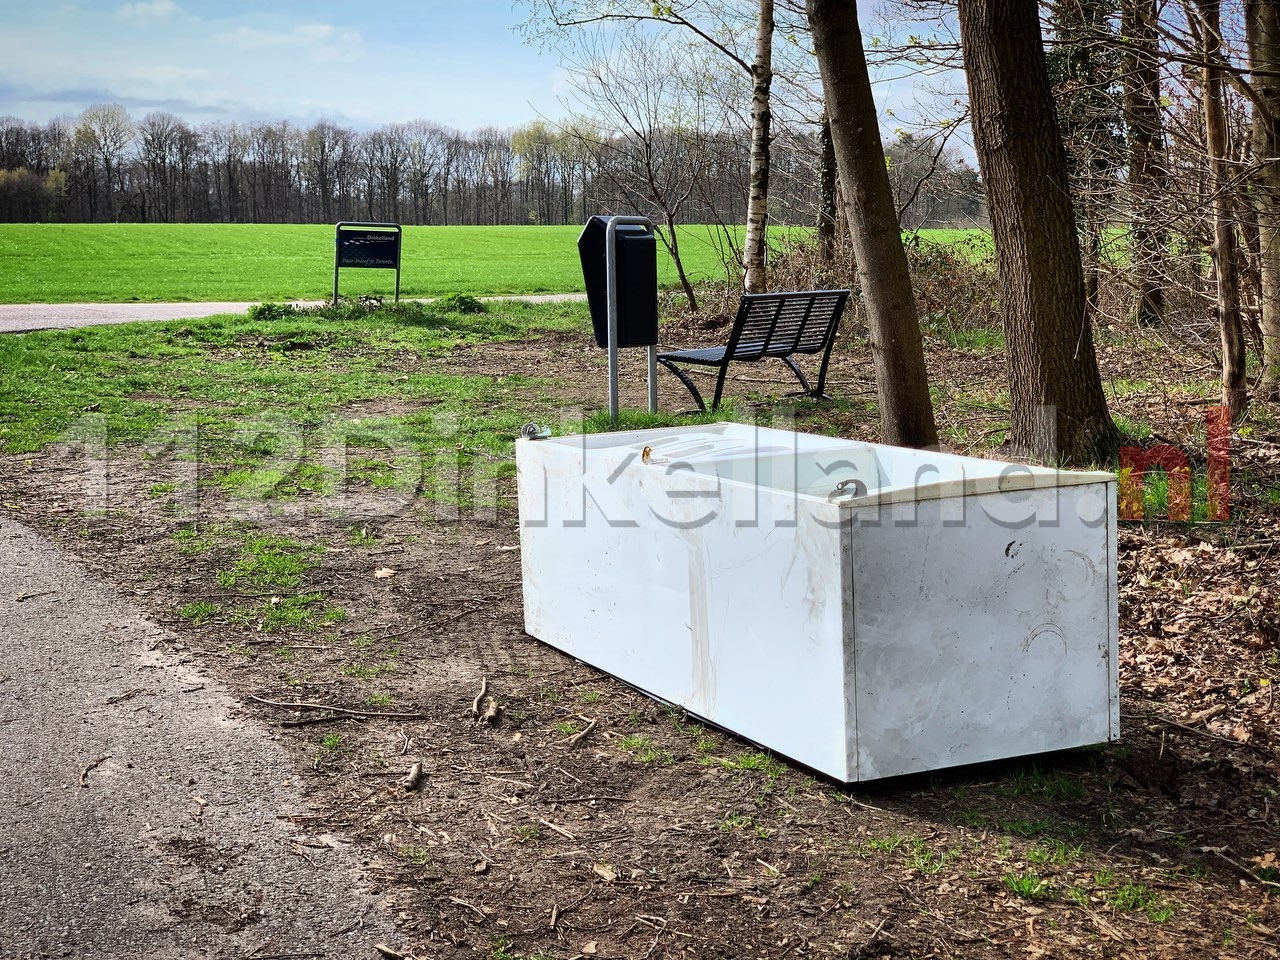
(456, 62)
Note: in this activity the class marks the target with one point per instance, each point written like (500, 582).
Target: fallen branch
(413, 779)
(84, 774)
(577, 737)
(560, 830)
(344, 711)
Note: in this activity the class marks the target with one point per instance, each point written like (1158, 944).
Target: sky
(456, 62)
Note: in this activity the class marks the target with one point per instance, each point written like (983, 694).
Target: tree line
(105, 166)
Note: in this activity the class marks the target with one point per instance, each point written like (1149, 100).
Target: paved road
(139, 816)
(23, 317)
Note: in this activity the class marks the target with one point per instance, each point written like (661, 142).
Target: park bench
(770, 325)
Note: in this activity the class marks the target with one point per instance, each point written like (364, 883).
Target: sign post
(367, 245)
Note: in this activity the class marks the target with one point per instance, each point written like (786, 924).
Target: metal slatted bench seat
(770, 325)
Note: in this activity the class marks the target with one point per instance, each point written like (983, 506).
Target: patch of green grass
(270, 483)
(199, 612)
(1051, 785)
(1052, 852)
(590, 696)
(1155, 494)
(527, 833)
(303, 612)
(161, 489)
(567, 728)
(887, 844)
(643, 750)
(120, 262)
(360, 537)
(734, 820)
(368, 671)
(268, 561)
(1029, 885)
(378, 700)
(192, 542)
(923, 858)
(1130, 897)
(418, 856)
(1132, 431)
(755, 762)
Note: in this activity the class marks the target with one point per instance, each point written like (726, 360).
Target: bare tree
(649, 154)
(906, 410)
(724, 27)
(105, 131)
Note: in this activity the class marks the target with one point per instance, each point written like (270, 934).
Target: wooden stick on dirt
(344, 711)
(577, 737)
(84, 774)
(484, 690)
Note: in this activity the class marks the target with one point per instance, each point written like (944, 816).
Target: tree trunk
(1147, 178)
(754, 253)
(827, 196)
(1058, 411)
(1235, 393)
(1262, 30)
(906, 410)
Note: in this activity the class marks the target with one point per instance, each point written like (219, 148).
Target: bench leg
(689, 385)
(724, 372)
(795, 368)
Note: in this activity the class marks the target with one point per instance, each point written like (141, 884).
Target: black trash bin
(637, 282)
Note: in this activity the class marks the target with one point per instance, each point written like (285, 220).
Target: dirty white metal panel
(869, 630)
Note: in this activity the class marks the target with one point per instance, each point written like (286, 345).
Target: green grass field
(119, 263)
(113, 263)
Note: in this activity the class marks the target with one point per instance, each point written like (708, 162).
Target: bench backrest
(780, 324)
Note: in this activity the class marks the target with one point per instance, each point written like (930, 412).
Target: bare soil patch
(585, 819)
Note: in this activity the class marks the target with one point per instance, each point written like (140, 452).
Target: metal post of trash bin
(611, 281)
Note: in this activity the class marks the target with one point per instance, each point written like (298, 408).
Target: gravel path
(23, 317)
(140, 815)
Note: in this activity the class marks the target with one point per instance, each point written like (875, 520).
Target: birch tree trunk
(906, 409)
(1235, 393)
(755, 249)
(1058, 411)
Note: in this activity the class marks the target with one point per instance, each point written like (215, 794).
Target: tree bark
(755, 249)
(1262, 31)
(1147, 177)
(827, 210)
(906, 409)
(1058, 411)
(1235, 394)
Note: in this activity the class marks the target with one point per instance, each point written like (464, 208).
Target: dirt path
(25, 317)
(140, 814)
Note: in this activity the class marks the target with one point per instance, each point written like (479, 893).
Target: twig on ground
(577, 737)
(484, 690)
(84, 774)
(470, 906)
(344, 711)
(560, 830)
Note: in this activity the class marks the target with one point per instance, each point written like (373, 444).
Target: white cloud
(147, 9)
(322, 41)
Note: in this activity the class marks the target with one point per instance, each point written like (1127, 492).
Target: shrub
(460, 303)
(269, 312)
